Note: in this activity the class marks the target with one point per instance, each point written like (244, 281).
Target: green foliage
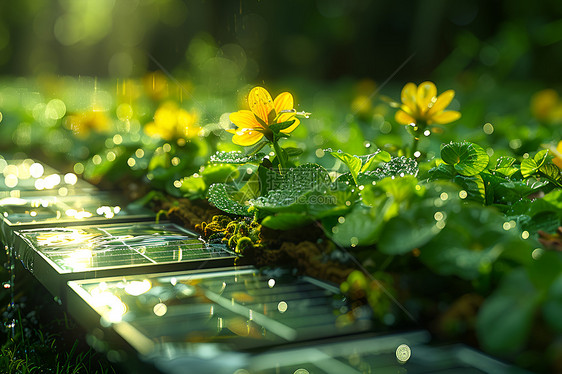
(361, 227)
(361, 164)
(353, 163)
(506, 317)
(286, 221)
(305, 188)
(469, 242)
(277, 127)
(221, 196)
(468, 159)
(235, 157)
(507, 183)
(195, 186)
(552, 309)
(530, 166)
(506, 166)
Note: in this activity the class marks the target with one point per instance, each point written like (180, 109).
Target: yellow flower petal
(244, 119)
(284, 117)
(246, 138)
(445, 117)
(409, 111)
(260, 103)
(283, 101)
(292, 127)
(442, 102)
(408, 95)
(403, 118)
(425, 95)
(153, 130)
(543, 102)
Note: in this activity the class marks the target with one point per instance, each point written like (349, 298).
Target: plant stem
(280, 156)
(414, 147)
(417, 131)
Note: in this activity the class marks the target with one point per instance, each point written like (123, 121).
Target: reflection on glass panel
(80, 248)
(398, 353)
(238, 308)
(31, 209)
(24, 175)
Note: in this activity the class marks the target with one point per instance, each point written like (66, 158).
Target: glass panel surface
(81, 248)
(20, 175)
(57, 209)
(242, 309)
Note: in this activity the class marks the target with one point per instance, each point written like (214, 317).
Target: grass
(44, 339)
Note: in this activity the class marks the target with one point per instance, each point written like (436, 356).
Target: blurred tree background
(260, 40)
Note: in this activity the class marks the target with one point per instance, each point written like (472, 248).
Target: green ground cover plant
(431, 229)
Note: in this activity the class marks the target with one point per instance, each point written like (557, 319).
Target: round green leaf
(220, 195)
(468, 158)
(530, 166)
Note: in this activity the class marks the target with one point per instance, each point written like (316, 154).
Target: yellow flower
(156, 85)
(546, 106)
(253, 124)
(171, 122)
(422, 105)
(83, 123)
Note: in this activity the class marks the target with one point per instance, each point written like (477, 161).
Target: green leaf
(360, 227)
(471, 239)
(442, 171)
(407, 231)
(277, 127)
(286, 221)
(290, 192)
(468, 158)
(371, 159)
(159, 160)
(554, 198)
(552, 308)
(506, 317)
(220, 173)
(106, 167)
(250, 189)
(235, 157)
(506, 191)
(545, 269)
(505, 162)
(530, 166)
(505, 166)
(551, 171)
(193, 186)
(399, 189)
(220, 195)
(353, 163)
(415, 226)
(269, 179)
(397, 167)
(293, 151)
(330, 203)
(473, 185)
(306, 177)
